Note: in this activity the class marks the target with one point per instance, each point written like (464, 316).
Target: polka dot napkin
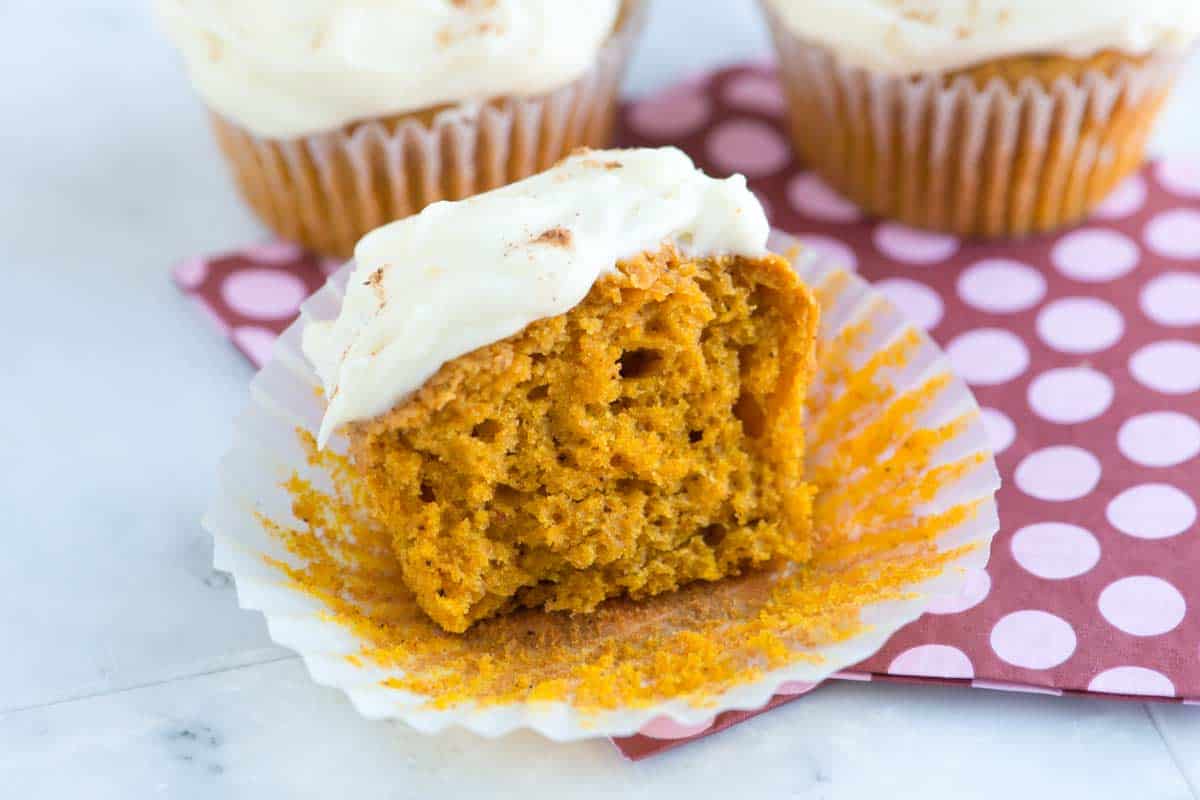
(1082, 349)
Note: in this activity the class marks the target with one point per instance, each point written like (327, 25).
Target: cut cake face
(650, 437)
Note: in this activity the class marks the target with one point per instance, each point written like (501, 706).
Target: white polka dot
(1001, 286)
(191, 273)
(263, 293)
(663, 727)
(747, 146)
(976, 585)
(1055, 550)
(1070, 395)
(1175, 234)
(257, 343)
(814, 198)
(671, 115)
(1173, 299)
(1132, 680)
(836, 251)
(1159, 438)
(1001, 430)
(794, 688)
(1179, 175)
(1094, 255)
(920, 305)
(1142, 605)
(1170, 367)
(278, 253)
(1127, 198)
(913, 246)
(1058, 473)
(988, 356)
(756, 93)
(1033, 639)
(1080, 325)
(933, 661)
(1152, 511)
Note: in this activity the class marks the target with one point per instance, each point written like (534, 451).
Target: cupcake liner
(944, 153)
(866, 349)
(328, 190)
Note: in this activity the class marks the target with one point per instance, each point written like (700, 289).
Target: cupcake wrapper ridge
(328, 190)
(284, 398)
(992, 160)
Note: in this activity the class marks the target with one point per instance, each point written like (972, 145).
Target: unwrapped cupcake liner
(945, 153)
(328, 190)
(861, 332)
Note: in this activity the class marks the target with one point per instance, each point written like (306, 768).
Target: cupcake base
(1007, 149)
(906, 511)
(328, 190)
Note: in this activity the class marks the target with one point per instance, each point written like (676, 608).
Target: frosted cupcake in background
(338, 116)
(978, 117)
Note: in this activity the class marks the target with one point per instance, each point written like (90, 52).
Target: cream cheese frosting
(459, 276)
(907, 36)
(287, 68)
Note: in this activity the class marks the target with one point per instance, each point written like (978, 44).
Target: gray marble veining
(266, 731)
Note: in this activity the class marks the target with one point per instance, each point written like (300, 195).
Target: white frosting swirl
(459, 276)
(287, 68)
(909, 36)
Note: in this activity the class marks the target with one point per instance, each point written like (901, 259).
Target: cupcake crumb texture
(871, 541)
(650, 437)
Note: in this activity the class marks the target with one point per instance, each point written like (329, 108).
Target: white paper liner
(947, 154)
(329, 189)
(267, 452)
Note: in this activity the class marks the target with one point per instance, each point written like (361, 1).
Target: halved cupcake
(339, 117)
(587, 384)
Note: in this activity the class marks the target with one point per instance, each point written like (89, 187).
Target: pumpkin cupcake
(599, 391)
(978, 117)
(340, 116)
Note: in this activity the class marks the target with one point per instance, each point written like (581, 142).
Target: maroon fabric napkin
(1083, 349)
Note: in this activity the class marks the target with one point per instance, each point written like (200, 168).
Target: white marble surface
(129, 671)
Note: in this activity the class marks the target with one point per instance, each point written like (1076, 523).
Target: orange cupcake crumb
(871, 541)
(650, 437)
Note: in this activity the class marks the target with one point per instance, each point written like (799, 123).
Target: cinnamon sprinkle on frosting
(557, 237)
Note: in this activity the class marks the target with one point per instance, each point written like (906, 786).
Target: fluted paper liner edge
(992, 160)
(267, 452)
(326, 191)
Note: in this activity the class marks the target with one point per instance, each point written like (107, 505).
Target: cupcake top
(908, 36)
(287, 68)
(458, 276)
